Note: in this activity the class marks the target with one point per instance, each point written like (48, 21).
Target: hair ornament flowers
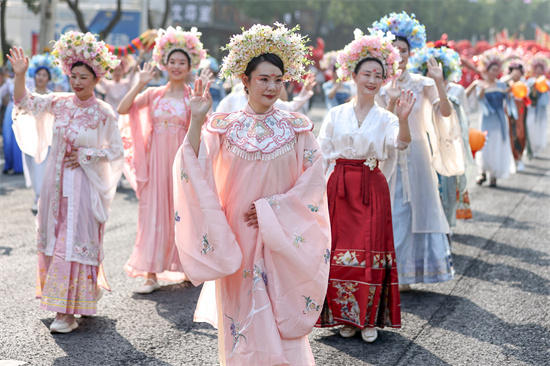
(514, 58)
(75, 46)
(48, 62)
(173, 39)
(378, 46)
(261, 39)
(403, 25)
(447, 57)
(540, 59)
(329, 60)
(492, 56)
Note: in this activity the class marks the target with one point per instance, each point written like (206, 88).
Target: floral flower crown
(513, 57)
(45, 61)
(447, 57)
(173, 39)
(261, 39)
(489, 57)
(378, 46)
(540, 59)
(403, 25)
(75, 46)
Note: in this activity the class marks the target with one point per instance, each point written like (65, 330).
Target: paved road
(495, 312)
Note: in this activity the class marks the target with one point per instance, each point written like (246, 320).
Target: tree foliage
(460, 19)
(74, 6)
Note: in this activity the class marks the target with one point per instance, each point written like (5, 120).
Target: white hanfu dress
(419, 222)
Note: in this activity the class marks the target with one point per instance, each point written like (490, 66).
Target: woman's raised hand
(200, 99)
(404, 105)
(435, 71)
(393, 91)
(310, 81)
(147, 73)
(19, 61)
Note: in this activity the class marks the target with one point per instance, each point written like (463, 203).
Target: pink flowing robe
(270, 282)
(75, 203)
(152, 134)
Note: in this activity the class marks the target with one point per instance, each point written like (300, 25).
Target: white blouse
(341, 137)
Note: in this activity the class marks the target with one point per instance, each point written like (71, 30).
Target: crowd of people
(285, 231)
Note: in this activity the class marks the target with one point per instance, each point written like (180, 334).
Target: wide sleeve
(136, 128)
(444, 134)
(103, 164)
(294, 227)
(33, 123)
(207, 246)
(325, 140)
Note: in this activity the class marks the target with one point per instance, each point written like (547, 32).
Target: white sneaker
(64, 324)
(520, 167)
(369, 335)
(348, 331)
(150, 286)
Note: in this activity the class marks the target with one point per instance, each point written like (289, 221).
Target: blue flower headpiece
(447, 57)
(401, 24)
(45, 61)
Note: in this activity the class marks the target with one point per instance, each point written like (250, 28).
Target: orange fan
(541, 84)
(519, 90)
(477, 139)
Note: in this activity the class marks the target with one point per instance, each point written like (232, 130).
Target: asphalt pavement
(495, 311)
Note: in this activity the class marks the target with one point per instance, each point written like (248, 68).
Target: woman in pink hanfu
(84, 165)
(157, 123)
(251, 210)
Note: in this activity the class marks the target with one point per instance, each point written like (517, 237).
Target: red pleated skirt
(363, 286)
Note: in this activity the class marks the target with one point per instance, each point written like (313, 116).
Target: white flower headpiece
(261, 39)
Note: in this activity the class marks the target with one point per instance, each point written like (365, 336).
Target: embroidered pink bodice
(254, 136)
(170, 114)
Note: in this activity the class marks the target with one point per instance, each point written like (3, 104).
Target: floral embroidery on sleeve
(89, 155)
(177, 217)
(273, 202)
(206, 247)
(86, 250)
(183, 175)
(235, 329)
(313, 208)
(259, 274)
(327, 256)
(309, 156)
(298, 239)
(246, 273)
(311, 305)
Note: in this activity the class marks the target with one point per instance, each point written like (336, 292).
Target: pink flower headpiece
(75, 46)
(173, 39)
(261, 39)
(378, 46)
